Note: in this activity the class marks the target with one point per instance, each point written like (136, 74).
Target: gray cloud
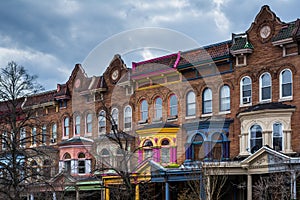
(50, 37)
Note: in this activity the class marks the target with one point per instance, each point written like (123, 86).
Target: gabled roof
(62, 92)
(76, 140)
(206, 54)
(265, 150)
(40, 99)
(240, 44)
(288, 33)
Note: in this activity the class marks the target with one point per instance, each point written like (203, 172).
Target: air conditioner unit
(246, 100)
(53, 140)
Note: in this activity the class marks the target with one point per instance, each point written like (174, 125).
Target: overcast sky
(49, 37)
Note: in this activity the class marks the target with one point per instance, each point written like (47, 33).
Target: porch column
(77, 194)
(249, 187)
(137, 192)
(208, 188)
(54, 196)
(167, 195)
(106, 194)
(293, 185)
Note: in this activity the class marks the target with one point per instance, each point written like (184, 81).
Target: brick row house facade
(234, 103)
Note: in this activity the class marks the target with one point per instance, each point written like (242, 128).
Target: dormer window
(240, 48)
(241, 60)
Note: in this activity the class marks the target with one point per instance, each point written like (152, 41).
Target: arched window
(33, 136)
(197, 147)
(246, 90)
(34, 169)
(128, 117)
(165, 151)
(144, 110)
(77, 125)
(44, 134)
(22, 137)
(217, 146)
(105, 158)
(207, 101)
(54, 133)
(102, 121)
(89, 123)
(158, 109)
(286, 83)
(66, 126)
(115, 118)
(190, 104)
(47, 168)
(67, 162)
(81, 163)
(225, 98)
(277, 136)
(255, 138)
(265, 84)
(4, 140)
(120, 159)
(148, 145)
(173, 105)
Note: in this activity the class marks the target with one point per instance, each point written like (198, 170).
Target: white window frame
(66, 127)
(280, 86)
(144, 110)
(224, 98)
(53, 139)
(190, 102)
(207, 99)
(261, 88)
(88, 123)
(126, 117)
(158, 109)
(77, 125)
(102, 117)
(115, 117)
(249, 140)
(282, 138)
(249, 98)
(173, 106)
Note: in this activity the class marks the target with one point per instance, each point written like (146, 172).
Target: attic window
(62, 104)
(290, 50)
(241, 60)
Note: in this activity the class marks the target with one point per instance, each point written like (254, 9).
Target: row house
(233, 103)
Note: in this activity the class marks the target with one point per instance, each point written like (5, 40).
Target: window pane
(277, 136)
(286, 90)
(128, 117)
(144, 110)
(158, 108)
(246, 90)
(266, 93)
(191, 104)
(225, 98)
(165, 155)
(102, 121)
(256, 138)
(173, 105)
(207, 101)
(265, 86)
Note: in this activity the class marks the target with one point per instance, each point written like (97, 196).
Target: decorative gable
(265, 160)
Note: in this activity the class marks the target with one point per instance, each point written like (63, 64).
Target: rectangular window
(33, 136)
(165, 155)
(44, 134)
(81, 166)
(22, 137)
(4, 140)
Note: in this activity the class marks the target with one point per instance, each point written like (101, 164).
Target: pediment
(265, 158)
(63, 178)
